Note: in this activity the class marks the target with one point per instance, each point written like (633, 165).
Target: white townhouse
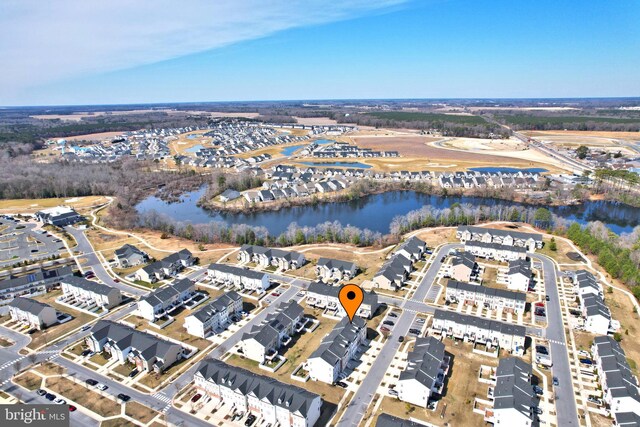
(529, 241)
(427, 367)
(619, 384)
(329, 269)
(129, 256)
(519, 275)
(241, 277)
(490, 298)
(413, 248)
(265, 257)
(147, 352)
(495, 251)
(597, 317)
(215, 316)
(320, 295)
(336, 349)
(274, 402)
(166, 267)
(33, 313)
(89, 292)
(585, 283)
(393, 273)
(514, 402)
(263, 341)
(162, 300)
(490, 333)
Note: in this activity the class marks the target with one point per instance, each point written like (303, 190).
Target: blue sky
(269, 50)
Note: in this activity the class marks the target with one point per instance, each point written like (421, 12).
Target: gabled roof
(370, 297)
(88, 285)
(289, 397)
(29, 305)
(237, 271)
(513, 388)
(502, 233)
(217, 305)
(520, 266)
(424, 361)
(146, 345)
(36, 276)
(386, 420)
(480, 322)
(284, 318)
(333, 346)
(464, 258)
(127, 250)
(167, 293)
(491, 292)
(337, 264)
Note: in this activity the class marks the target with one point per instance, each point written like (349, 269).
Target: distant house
(242, 278)
(513, 397)
(386, 420)
(334, 269)
(393, 273)
(59, 216)
(129, 256)
(265, 257)
(482, 296)
(495, 251)
(228, 195)
(519, 275)
(320, 295)
(32, 283)
(463, 265)
(33, 313)
(166, 267)
(528, 241)
(412, 249)
(155, 305)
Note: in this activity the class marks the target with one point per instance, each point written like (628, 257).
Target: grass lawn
(560, 254)
(622, 309)
(124, 369)
(54, 332)
(77, 349)
(296, 353)
(5, 342)
(34, 205)
(83, 396)
(50, 368)
(461, 387)
(29, 380)
(117, 422)
(99, 359)
(140, 412)
(153, 380)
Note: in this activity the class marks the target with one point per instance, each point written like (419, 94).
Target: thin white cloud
(45, 41)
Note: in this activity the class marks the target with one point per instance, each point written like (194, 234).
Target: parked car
(85, 328)
(420, 320)
(400, 338)
(595, 400)
(537, 410)
(124, 397)
(196, 397)
(542, 349)
(250, 420)
(133, 373)
(392, 314)
(86, 353)
(537, 390)
(60, 401)
(586, 361)
(91, 382)
(275, 294)
(414, 331)
(342, 384)
(72, 408)
(546, 297)
(388, 323)
(49, 396)
(555, 381)
(392, 392)
(101, 386)
(41, 392)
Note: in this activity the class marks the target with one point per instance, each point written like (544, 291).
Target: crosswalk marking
(163, 397)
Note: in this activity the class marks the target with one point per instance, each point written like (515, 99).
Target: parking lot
(20, 241)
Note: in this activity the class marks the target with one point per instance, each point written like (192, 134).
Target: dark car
(586, 361)
(85, 353)
(392, 314)
(555, 381)
(342, 384)
(133, 373)
(50, 397)
(400, 338)
(250, 420)
(546, 297)
(91, 382)
(414, 331)
(124, 397)
(388, 323)
(537, 390)
(196, 397)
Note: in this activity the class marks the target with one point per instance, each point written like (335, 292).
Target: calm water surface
(376, 212)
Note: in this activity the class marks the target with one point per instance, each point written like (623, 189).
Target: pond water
(194, 149)
(287, 151)
(376, 212)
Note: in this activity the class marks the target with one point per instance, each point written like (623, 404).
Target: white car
(60, 401)
(101, 386)
(392, 392)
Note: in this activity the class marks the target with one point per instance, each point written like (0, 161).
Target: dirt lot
(435, 237)
(631, 136)
(29, 380)
(33, 205)
(296, 353)
(461, 387)
(83, 396)
(117, 422)
(140, 412)
(622, 310)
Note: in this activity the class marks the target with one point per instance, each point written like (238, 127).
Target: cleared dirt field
(315, 121)
(34, 205)
(633, 136)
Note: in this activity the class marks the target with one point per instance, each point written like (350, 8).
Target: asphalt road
(567, 412)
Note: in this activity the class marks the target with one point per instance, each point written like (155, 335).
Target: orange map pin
(351, 297)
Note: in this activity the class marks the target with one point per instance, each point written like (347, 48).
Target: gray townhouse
(321, 295)
(427, 367)
(215, 316)
(129, 256)
(166, 267)
(490, 298)
(89, 293)
(514, 402)
(265, 257)
(32, 283)
(32, 313)
(329, 269)
(164, 300)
